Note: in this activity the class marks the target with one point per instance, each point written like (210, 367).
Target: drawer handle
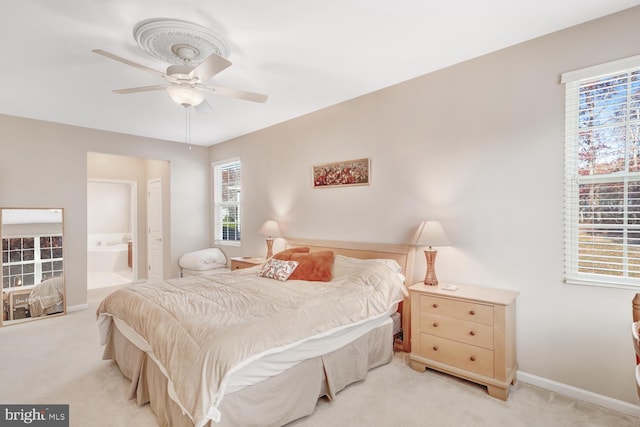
(435, 324)
(435, 348)
(472, 333)
(471, 312)
(472, 358)
(435, 305)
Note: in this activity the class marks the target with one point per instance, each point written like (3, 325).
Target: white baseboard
(580, 394)
(77, 307)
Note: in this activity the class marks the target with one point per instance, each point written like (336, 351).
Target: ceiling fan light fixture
(184, 95)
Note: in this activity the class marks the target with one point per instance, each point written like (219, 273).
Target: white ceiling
(306, 55)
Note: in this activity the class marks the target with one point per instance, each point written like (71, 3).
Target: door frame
(150, 182)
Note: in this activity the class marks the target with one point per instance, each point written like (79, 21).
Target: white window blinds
(602, 176)
(227, 193)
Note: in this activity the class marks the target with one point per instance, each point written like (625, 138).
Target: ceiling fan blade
(140, 89)
(210, 67)
(234, 93)
(130, 63)
(203, 107)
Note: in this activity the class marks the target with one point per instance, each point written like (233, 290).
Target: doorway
(134, 175)
(111, 232)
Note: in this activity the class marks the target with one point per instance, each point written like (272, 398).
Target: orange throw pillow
(313, 266)
(286, 254)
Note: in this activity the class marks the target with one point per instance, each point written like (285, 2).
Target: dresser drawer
(436, 305)
(464, 356)
(473, 312)
(459, 330)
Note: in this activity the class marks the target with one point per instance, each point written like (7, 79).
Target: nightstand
(468, 332)
(238, 263)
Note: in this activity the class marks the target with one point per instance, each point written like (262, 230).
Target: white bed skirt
(273, 402)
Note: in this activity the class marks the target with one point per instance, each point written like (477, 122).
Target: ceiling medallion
(171, 40)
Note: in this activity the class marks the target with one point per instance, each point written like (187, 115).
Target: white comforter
(202, 329)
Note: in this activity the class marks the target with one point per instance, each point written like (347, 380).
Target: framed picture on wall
(339, 174)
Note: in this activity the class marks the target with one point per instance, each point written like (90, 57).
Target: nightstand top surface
(469, 292)
(252, 259)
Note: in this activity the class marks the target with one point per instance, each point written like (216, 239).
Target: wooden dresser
(468, 332)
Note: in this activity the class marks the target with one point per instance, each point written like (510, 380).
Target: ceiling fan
(186, 84)
(196, 54)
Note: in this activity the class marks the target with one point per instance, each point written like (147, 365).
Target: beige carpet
(58, 360)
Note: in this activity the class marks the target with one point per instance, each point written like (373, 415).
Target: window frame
(218, 205)
(573, 179)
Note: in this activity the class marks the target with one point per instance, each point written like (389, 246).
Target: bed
(47, 297)
(248, 350)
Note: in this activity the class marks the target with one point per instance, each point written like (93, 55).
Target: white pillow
(347, 265)
(391, 263)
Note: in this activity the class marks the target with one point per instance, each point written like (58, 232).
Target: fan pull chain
(187, 137)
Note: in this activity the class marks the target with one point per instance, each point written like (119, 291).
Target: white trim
(78, 307)
(600, 70)
(604, 284)
(580, 394)
(229, 160)
(227, 243)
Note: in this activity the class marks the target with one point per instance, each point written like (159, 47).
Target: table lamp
(431, 233)
(270, 229)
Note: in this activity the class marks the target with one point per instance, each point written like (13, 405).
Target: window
(602, 174)
(226, 210)
(27, 260)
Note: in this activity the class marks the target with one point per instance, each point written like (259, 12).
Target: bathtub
(108, 258)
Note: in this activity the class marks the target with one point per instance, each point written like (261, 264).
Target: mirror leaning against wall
(32, 264)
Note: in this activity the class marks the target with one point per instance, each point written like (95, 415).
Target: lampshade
(270, 229)
(184, 95)
(431, 233)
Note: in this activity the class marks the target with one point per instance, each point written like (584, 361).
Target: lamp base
(269, 248)
(430, 278)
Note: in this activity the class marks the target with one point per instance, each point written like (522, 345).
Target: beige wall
(479, 146)
(45, 165)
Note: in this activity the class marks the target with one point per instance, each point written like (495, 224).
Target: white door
(154, 221)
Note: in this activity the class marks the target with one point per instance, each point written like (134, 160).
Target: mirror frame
(4, 292)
